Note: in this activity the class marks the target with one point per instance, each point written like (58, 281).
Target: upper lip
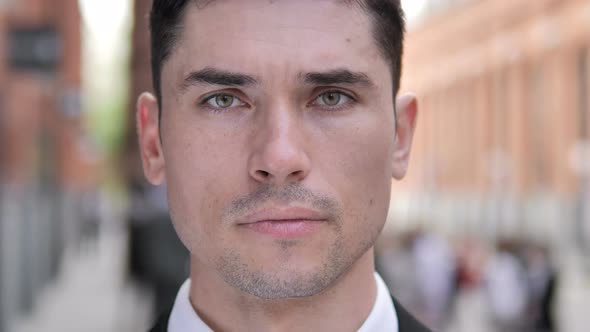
(278, 213)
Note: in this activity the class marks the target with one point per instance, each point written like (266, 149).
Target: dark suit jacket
(407, 323)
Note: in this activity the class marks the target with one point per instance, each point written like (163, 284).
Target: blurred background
(490, 231)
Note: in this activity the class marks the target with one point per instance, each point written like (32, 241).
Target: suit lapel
(407, 322)
(162, 323)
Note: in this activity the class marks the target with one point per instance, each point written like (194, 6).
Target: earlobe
(407, 111)
(150, 146)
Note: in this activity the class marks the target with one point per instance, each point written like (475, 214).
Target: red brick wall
(473, 71)
(32, 103)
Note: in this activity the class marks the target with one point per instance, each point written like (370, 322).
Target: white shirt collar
(383, 316)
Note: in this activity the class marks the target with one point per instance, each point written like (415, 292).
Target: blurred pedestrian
(436, 278)
(507, 289)
(396, 264)
(157, 259)
(542, 279)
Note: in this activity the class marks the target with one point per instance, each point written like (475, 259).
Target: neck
(344, 306)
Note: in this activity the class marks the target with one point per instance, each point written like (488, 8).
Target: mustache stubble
(292, 193)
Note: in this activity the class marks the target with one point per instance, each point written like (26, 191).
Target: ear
(148, 129)
(406, 113)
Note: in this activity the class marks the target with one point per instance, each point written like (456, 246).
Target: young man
(275, 127)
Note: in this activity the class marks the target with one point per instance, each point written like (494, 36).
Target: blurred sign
(34, 48)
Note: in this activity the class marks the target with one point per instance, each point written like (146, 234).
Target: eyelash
(205, 101)
(336, 108)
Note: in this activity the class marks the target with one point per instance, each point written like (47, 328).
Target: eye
(224, 100)
(332, 99)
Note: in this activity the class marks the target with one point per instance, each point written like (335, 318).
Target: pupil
(331, 98)
(224, 100)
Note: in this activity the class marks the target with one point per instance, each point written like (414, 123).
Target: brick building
(45, 163)
(502, 141)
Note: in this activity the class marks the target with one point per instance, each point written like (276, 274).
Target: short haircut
(166, 27)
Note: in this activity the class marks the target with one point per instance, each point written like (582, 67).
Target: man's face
(278, 142)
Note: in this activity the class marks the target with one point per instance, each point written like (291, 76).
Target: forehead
(288, 12)
(291, 35)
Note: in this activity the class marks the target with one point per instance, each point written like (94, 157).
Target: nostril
(297, 173)
(263, 174)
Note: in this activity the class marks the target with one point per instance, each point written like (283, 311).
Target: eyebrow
(337, 76)
(214, 76)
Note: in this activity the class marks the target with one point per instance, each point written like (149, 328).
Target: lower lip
(285, 228)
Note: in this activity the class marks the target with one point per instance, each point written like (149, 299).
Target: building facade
(502, 140)
(46, 162)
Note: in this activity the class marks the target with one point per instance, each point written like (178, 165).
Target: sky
(413, 8)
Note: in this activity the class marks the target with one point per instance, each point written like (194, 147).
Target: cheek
(364, 158)
(361, 171)
(199, 178)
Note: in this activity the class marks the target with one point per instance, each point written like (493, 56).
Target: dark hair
(166, 25)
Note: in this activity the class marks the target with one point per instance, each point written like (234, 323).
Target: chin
(288, 285)
(281, 277)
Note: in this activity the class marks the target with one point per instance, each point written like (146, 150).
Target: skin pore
(273, 109)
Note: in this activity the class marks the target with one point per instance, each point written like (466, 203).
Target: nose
(279, 156)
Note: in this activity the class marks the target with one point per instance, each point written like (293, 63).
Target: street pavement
(91, 293)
